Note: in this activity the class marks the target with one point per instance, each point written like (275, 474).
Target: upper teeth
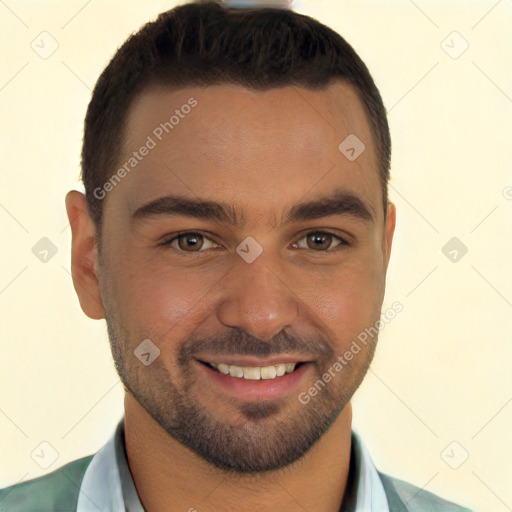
(255, 372)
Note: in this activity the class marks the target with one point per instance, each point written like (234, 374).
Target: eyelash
(167, 243)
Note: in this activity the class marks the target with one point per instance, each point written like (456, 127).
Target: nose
(258, 299)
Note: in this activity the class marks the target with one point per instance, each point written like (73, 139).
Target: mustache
(240, 342)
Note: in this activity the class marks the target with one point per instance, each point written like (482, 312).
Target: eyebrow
(339, 202)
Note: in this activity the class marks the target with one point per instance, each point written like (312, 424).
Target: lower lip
(260, 389)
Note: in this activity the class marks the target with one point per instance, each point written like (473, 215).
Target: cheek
(159, 301)
(348, 300)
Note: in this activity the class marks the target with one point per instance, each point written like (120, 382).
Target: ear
(84, 256)
(390, 230)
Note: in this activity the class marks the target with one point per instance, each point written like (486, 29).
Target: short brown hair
(202, 44)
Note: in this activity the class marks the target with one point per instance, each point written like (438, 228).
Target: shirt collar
(108, 485)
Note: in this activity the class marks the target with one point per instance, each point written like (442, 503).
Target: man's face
(194, 282)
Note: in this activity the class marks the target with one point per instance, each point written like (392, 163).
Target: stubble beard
(262, 439)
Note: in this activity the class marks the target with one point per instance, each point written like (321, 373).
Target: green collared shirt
(103, 483)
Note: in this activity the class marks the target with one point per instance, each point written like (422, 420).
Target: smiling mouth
(254, 372)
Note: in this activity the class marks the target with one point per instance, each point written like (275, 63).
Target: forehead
(231, 143)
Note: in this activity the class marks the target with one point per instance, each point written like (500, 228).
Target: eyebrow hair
(339, 202)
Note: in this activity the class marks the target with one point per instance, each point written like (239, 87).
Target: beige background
(442, 372)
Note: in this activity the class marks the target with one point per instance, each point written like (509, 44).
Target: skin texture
(190, 442)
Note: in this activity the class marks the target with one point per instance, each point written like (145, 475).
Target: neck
(169, 476)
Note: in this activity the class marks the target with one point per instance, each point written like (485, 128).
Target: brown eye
(190, 242)
(321, 241)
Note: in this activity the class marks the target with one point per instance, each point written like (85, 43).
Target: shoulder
(56, 491)
(408, 497)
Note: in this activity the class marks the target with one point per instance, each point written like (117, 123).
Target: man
(235, 235)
